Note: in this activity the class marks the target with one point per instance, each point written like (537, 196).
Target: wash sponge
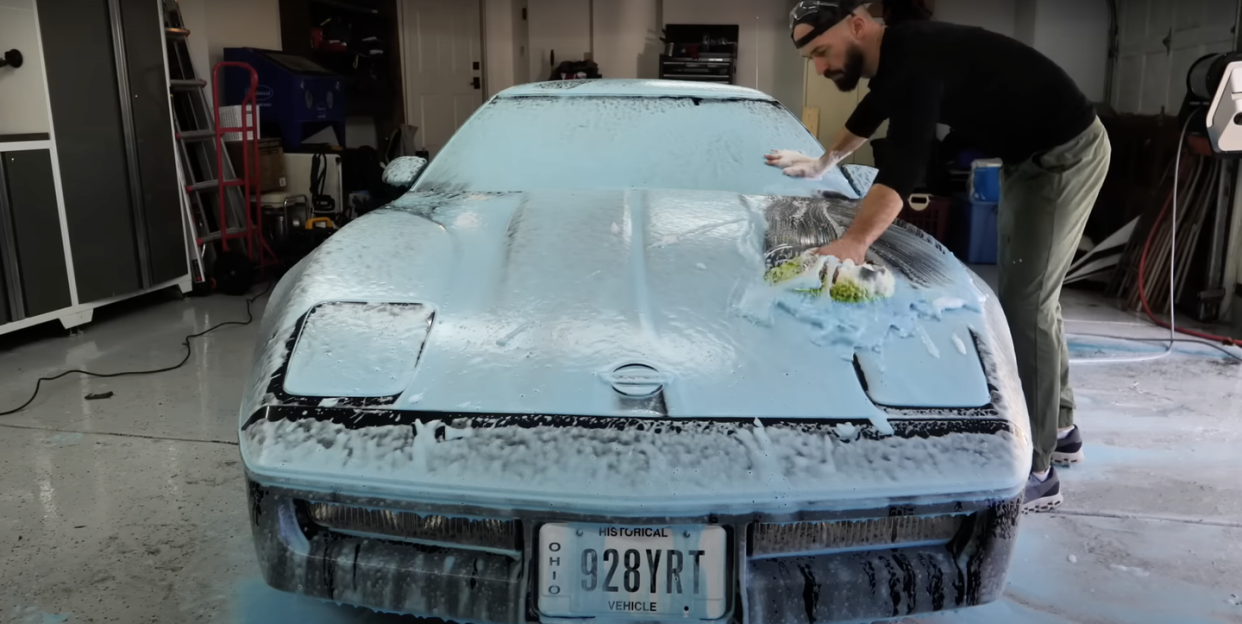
(844, 282)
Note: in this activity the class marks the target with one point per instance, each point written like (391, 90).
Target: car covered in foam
(550, 383)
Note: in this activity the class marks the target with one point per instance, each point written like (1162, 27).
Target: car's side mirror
(403, 171)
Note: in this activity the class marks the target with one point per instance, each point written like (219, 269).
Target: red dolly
(257, 249)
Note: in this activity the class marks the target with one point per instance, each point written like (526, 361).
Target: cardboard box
(271, 165)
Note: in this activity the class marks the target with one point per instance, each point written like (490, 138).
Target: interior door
(442, 58)
(1158, 42)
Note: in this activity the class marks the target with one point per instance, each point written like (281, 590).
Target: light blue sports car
(550, 383)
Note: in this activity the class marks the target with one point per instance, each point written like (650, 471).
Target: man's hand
(797, 164)
(845, 248)
(876, 212)
(786, 158)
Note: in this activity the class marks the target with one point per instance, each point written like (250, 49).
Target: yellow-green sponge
(844, 282)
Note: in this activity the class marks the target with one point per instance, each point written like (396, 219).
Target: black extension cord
(185, 343)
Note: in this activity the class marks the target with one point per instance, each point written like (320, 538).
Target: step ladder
(196, 146)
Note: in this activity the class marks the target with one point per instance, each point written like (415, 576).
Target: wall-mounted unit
(699, 53)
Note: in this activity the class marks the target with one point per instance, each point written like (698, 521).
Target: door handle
(478, 83)
(12, 58)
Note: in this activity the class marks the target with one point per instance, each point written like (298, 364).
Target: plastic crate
(974, 231)
(933, 219)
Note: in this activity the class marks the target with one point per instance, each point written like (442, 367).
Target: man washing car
(1009, 100)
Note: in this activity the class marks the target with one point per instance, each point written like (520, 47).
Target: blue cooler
(975, 235)
(985, 181)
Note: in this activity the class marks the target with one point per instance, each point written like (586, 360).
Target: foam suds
(944, 304)
(848, 431)
(844, 327)
(402, 171)
(695, 308)
(927, 341)
(961, 346)
(599, 468)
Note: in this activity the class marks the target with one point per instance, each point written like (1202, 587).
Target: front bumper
(483, 586)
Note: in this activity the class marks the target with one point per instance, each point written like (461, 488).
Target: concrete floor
(131, 509)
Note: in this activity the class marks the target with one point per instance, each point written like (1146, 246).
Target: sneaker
(1069, 449)
(1041, 496)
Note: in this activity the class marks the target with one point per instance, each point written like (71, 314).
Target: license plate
(628, 572)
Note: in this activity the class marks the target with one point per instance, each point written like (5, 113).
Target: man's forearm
(876, 213)
(842, 146)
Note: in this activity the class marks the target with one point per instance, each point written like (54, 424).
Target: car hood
(615, 304)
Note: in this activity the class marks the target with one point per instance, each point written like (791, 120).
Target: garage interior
(130, 297)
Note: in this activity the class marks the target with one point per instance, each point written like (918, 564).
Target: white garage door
(1159, 41)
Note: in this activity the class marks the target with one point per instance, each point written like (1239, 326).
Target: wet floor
(131, 509)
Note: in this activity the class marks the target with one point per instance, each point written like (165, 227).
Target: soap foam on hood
(400, 254)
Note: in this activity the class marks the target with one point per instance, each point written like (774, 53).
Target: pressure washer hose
(1171, 325)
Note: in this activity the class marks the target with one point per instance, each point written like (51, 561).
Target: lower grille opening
(806, 538)
(484, 534)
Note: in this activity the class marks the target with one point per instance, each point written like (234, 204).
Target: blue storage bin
(974, 239)
(985, 181)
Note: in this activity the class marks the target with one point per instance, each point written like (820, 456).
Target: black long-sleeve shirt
(1002, 95)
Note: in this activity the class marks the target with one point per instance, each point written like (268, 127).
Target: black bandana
(821, 15)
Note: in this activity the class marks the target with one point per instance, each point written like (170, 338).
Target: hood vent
(951, 379)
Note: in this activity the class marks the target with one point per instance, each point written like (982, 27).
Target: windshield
(546, 143)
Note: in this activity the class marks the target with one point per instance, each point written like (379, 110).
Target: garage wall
(498, 46)
(23, 92)
(1074, 33)
(241, 23)
(562, 26)
(1150, 77)
(218, 24)
(194, 15)
(1025, 16)
(521, 42)
(627, 38)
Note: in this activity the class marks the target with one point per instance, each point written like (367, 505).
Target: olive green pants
(1044, 206)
